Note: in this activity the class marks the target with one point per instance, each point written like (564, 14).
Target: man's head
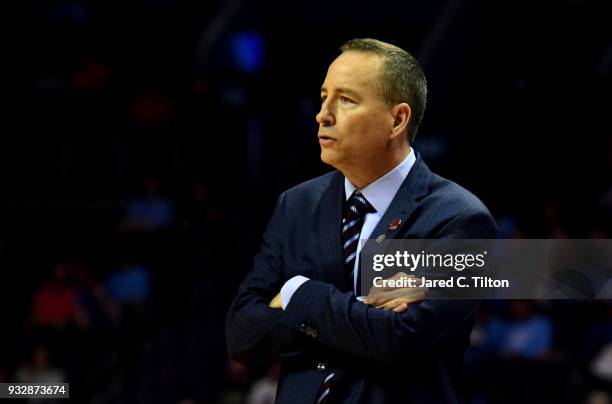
(373, 99)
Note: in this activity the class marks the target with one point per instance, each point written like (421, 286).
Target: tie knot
(358, 205)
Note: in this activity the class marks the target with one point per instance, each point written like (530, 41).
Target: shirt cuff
(290, 287)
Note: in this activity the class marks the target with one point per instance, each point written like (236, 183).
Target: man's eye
(345, 100)
(323, 98)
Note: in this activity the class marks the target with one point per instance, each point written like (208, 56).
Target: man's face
(354, 121)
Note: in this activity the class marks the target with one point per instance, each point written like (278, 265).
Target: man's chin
(334, 160)
(328, 157)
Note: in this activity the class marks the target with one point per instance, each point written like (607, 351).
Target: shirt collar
(381, 192)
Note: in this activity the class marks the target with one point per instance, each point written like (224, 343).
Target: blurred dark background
(145, 143)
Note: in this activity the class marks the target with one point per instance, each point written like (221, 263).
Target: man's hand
(276, 302)
(396, 299)
(386, 298)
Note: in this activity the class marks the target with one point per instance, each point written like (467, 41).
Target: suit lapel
(329, 226)
(405, 201)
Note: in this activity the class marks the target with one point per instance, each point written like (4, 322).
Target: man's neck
(362, 178)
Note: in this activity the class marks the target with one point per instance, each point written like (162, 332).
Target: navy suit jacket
(378, 356)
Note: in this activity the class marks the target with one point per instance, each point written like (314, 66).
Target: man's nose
(325, 117)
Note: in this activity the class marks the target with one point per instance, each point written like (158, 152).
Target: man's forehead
(352, 71)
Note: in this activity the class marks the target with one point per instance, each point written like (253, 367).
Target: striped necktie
(354, 213)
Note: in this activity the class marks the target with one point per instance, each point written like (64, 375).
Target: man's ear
(401, 116)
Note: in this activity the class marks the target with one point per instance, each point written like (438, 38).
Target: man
(335, 346)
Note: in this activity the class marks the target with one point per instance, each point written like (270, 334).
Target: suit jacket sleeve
(347, 326)
(254, 331)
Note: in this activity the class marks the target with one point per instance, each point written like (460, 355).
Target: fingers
(406, 293)
(400, 302)
(276, 302)
(377, 292)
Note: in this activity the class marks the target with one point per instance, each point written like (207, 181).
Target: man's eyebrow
(342, 90)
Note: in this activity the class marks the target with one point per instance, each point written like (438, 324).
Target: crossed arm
(386, 298)
(256, 332)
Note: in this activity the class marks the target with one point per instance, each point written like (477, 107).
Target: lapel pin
(380, 238)
(395, 224)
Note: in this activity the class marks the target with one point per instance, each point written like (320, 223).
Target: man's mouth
(325, 139)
